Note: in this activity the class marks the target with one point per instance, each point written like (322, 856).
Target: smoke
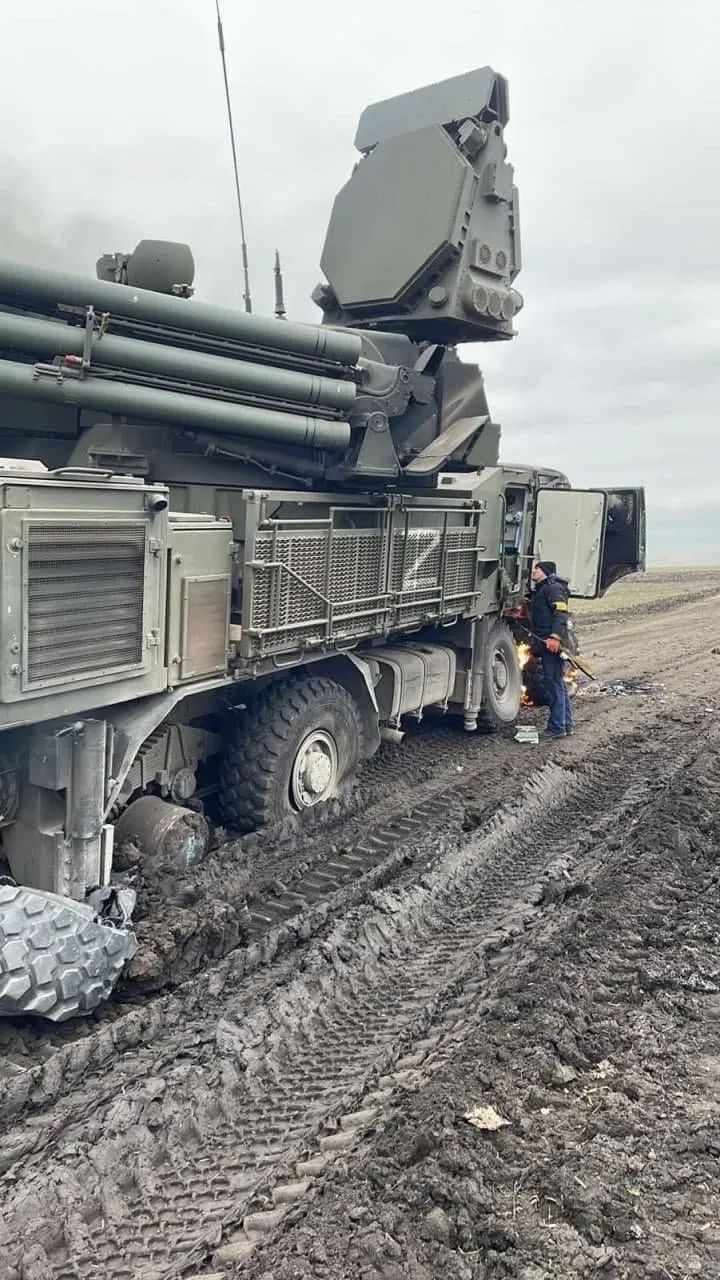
(29, 233)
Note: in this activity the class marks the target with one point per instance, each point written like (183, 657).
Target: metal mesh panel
(421, 584)
(357, 574)
(206, 604)
(84, 602)
(308, 585)
(461, 566)
(310, 575)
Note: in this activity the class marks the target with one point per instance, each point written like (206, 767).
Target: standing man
(549, 624)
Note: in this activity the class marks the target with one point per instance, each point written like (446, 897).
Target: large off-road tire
(502, 682)
(294, 748)
(56, 958)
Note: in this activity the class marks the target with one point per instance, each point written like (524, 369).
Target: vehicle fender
(358, 674)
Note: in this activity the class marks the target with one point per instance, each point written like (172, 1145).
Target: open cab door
(595, 536)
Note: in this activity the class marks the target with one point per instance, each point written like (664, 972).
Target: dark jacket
(549, 609)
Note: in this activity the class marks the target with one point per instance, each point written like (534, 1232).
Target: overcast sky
(114, 129)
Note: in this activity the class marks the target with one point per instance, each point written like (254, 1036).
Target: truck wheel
(502, 682)
(294, 749)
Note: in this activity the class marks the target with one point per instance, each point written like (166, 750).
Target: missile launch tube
(38, 289)
(171, 407)
(48, 338)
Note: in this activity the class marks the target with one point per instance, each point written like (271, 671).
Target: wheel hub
(500, 673)
(315, 770)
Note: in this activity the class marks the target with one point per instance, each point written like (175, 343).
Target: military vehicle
(246, 550)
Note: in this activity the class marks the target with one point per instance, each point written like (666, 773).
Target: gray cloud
(118, 131)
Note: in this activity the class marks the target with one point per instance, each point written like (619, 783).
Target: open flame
(524, 653)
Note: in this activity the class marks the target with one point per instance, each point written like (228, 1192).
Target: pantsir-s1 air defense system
(238, 552)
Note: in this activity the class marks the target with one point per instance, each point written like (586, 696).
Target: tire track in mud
(289, 914)
(294, 873)
(581, 1050)
(156, 1033)
(39, 1063)
(257, 866)
(244, 1104)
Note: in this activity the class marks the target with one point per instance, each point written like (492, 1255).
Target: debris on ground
(527, 733)
(486, 1118)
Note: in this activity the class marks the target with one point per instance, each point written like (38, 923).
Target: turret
(421, 254)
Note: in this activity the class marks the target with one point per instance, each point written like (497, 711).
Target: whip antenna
(243, 243)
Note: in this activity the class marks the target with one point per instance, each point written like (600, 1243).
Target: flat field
(466, 1028)
(654, 588)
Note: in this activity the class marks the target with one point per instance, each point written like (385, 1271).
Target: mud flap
(58, 958)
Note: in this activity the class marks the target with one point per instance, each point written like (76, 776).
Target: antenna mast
(243, 243)
(280, 311)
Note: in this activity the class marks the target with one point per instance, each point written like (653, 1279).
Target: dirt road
(524, 935)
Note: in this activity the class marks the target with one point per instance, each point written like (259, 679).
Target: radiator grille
(84, 598)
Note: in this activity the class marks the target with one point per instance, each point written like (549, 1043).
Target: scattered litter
(527, 733)
(486, 1118)
(604, 1070)
(620, 689)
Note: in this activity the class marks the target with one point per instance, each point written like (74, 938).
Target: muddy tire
(295, 748)
(56, 959)
(502, 682)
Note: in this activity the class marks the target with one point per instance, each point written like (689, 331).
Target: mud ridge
(599, 1061)
(470, 777)
(707, 594)
(287, 918)
(375, 983)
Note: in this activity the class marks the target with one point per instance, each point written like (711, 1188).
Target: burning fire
(524, 654)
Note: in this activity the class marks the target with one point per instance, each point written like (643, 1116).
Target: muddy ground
(468, 1028)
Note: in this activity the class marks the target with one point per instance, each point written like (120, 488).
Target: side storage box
(199, 592)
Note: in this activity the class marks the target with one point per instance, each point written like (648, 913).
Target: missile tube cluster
(74, 341)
